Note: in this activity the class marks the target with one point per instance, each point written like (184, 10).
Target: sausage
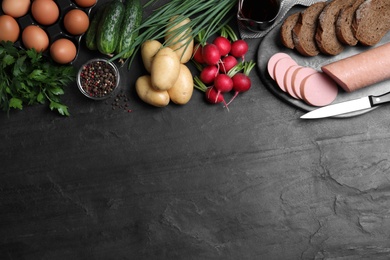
(298, 77)
(311, 86)
(318, 89)
(273, 60)
(361, 70)
(281, 68)
(288, 80)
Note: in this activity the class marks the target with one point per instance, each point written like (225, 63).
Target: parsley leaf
(57, 91)
(8, 60)
(27, 78)
(16, 103)
(19, 67)
(37, 75)
(62, 109)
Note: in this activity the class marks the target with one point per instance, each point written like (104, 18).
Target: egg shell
(54, 31)
(85, 3)
(63, 51)
(76, 22)
(9, 28)
(35, 37)
(45, 12)
(15, 8)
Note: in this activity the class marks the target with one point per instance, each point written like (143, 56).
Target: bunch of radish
(222, 67)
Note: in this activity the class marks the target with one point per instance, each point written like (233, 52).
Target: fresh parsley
(28, 78)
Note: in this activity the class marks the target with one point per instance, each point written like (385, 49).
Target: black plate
(271, 44)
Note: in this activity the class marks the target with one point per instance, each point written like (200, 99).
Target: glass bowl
(98, 79)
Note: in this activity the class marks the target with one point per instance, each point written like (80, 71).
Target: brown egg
(85, 3)
(63, 51)
(9, 28)
(45, 12)
(76, 22)
(14, 8)
(35, 37)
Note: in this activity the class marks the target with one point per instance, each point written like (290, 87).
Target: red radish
(210, 54)
(197, 56)
(227, 63)
(208, 74)
(223, 45)
(239, 49)
(241, 83)
(223, 83)
(214, 97)
(241, 80)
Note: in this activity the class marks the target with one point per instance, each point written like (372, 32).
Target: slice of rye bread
(305, 29)
(344, 24)
(286, 30)
(326, 37)
(371, 21)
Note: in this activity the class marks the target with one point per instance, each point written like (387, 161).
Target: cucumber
(127, 34)
(90, 35)
(107, 35)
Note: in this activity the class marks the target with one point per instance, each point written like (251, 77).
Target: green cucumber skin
(107, 37)
(90, 35)
(132, 19)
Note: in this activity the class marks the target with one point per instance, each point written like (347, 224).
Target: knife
(348, 106)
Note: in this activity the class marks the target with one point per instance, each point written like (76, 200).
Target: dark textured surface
(193, 182)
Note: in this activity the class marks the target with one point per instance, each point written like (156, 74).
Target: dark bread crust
(327, 27)
(305, 29)
(326, 37)
(286, 30)
(371, 21)
(344, 24)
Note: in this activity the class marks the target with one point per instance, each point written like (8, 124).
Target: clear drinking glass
(258, 15)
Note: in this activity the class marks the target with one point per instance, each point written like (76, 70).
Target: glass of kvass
(258, 15)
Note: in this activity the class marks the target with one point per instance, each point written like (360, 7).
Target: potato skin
(165, 69)
(182, 90)
(148, 50)
(183, 52)
(151, 96)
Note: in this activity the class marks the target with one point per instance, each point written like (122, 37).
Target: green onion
(207, 18)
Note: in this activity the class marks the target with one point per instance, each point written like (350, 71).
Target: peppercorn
(98, 79)
(119, 101)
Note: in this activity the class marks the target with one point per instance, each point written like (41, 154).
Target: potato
(165, 69)
(183, 51)
(148, 50)
(181, 92)
(151, 96)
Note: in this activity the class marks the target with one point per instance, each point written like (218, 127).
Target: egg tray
(56, 30)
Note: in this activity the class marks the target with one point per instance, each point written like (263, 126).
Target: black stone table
(194, 181)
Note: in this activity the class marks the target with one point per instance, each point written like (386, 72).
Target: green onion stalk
(207, 18)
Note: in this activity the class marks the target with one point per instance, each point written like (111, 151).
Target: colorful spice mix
(98, 79)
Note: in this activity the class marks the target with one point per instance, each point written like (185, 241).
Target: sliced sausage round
(272, 62)
(298, 77)
(281, 68)
(318, 89)
(288, 80)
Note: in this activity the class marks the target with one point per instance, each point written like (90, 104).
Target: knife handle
(378, 100)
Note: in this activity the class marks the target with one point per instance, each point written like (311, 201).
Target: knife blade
(348, 106)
